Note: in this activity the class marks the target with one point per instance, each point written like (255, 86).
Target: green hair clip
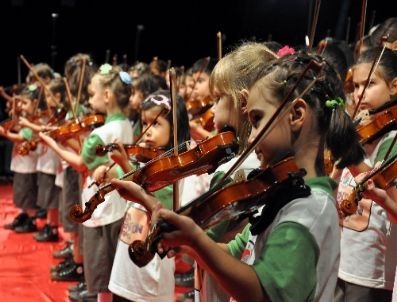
(334, 103)
(32, 87)
(105, 69)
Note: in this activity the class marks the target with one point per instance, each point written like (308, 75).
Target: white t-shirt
(114, 206)
(368, 238)
(48, 161)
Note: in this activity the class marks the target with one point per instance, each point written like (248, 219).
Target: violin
(206, 120)
(328, 162)
(383, 177)
(197, 107)
(384, 119)
(236, 199)
(65, 131)
(141, 154)
(163, 171)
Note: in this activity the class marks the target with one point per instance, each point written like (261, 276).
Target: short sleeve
(165, 196)
(287, 266)
(384, 147)
(26, 133)
(88, 152)
(238, 244)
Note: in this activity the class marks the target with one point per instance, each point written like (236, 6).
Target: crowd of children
(293, 241)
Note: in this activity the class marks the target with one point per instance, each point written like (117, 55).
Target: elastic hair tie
(334, 103)
(125, 77)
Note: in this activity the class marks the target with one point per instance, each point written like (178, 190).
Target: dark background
(187, 29)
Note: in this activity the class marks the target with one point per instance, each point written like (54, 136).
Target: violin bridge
(239, 175)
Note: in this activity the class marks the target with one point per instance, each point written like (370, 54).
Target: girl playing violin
(201, 71)
(155, 281)
(78, 72)
(229, 82)
(48, 165)
(24, 168)
(109, 92)
(295, 258)
(369, 240)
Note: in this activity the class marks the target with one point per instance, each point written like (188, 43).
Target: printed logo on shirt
(135, 226)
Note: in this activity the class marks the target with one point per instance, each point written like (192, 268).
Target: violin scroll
(76, 212)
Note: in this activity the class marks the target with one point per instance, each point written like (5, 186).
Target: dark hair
(205, 65)
(112, 80)
(43, 70)
(58, 86)
(387, 64)
(181, 113)
(73, 69)
(32, 91)
(339, 55)
(388, 27)
(273, 46)
(149, 83)
(334, 125)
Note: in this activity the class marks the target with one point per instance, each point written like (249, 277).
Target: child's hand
(47, 139)
(99, 174)
(118, 155)
(2, 131)
(185, 234)
(131, 191)
(23, 122)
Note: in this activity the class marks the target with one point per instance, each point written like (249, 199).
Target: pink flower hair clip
(286, 50)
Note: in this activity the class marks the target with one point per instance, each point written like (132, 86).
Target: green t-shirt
(384, 147)
(286, 267)
(88, 152)
(26, 133)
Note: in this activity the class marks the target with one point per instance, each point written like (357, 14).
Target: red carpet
(25, 263)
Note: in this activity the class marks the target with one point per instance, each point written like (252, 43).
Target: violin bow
(362, 25)
(374, 65)
(219, 44)
(272, 121)
(70, 99)
(38, 79)
(82, 72)
(175, 191)
(316, 13)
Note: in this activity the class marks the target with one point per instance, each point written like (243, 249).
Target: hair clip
(32, 87)
(125, 77)
(105, 69)
(334, 103)
(159, 100)
(286, 50)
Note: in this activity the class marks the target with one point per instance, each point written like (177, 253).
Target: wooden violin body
(241, 198)
(164, 171)
(141, 154)
(382, 122)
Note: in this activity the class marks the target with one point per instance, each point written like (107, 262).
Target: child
(48, 166)
(155, 281)
(295, 258)
(201, 71)
(24, 167)
(369, 240)
(141, 88)
(229, 81)
(109, 92)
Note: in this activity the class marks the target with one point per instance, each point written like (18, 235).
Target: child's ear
(393, 86)
(298, 114)
(244, 97)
